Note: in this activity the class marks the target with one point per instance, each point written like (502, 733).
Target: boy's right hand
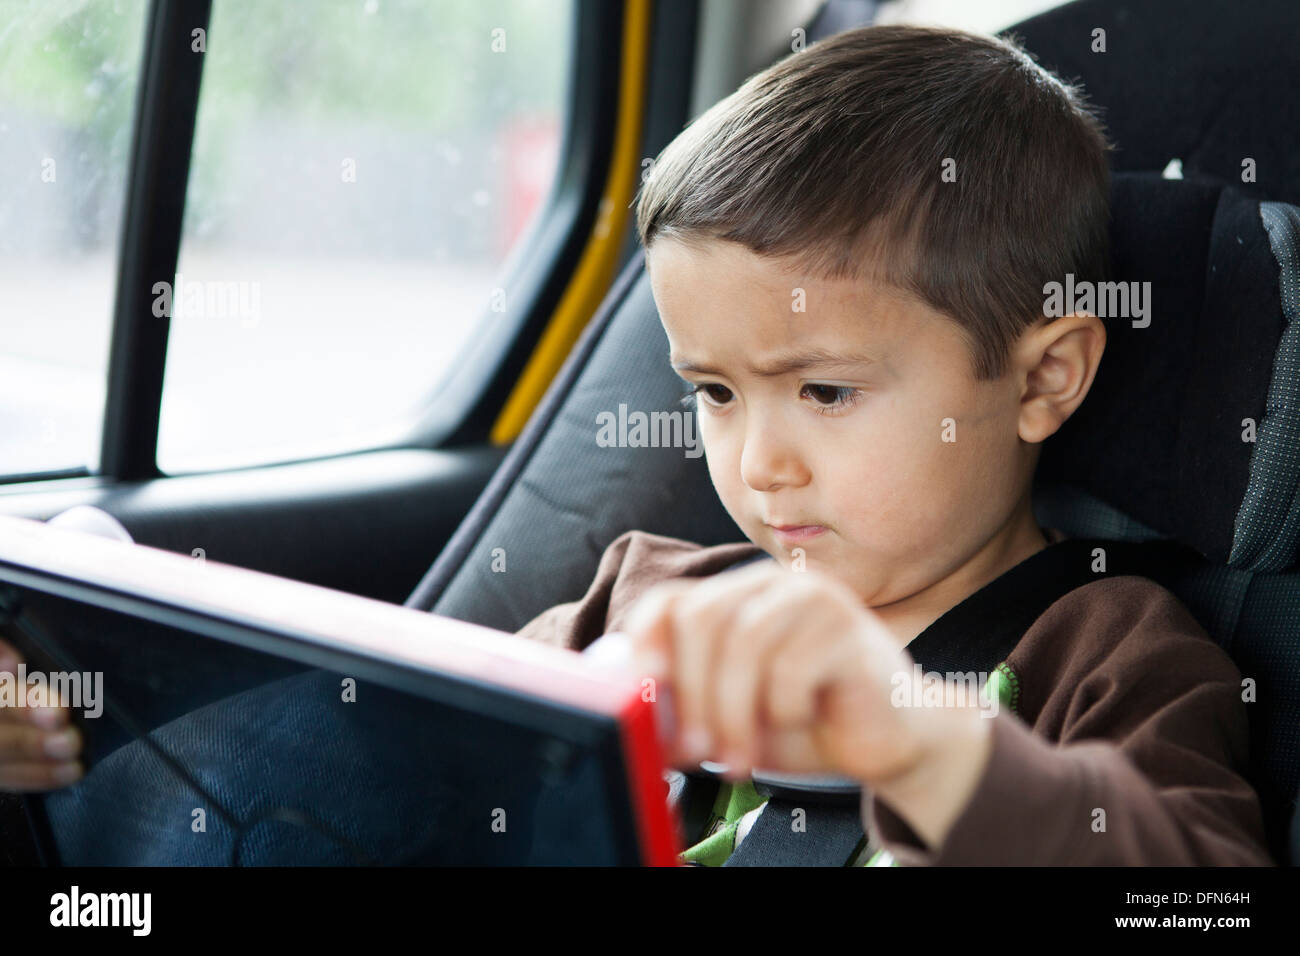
(39, 746)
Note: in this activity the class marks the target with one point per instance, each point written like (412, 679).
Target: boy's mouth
(794, 533)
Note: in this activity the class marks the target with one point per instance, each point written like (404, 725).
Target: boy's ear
(1056, 363)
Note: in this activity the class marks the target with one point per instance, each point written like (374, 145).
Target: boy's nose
(769, 460)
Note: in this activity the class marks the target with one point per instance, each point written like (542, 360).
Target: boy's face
(915, 472)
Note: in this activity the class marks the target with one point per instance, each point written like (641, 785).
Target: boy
(848, 256)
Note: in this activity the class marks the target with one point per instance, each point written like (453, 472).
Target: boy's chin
(794, 559)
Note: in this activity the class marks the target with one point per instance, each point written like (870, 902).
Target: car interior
(1198, 95)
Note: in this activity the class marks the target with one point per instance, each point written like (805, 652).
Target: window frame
(157, 180)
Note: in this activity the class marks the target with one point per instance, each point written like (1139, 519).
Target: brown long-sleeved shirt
(1125, 745)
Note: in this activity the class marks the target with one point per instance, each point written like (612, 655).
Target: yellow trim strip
(595, 272)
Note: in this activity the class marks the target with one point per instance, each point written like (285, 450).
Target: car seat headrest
(1192, 425)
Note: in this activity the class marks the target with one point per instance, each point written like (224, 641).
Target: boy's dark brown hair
(835, 157)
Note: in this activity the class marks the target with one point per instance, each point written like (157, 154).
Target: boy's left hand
(789, 672)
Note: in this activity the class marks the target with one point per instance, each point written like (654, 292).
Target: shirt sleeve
(632, 563)
(1134, 758)
(575, 624)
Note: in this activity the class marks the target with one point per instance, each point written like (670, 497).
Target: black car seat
(1210, 83)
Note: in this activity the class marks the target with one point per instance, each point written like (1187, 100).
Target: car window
(980, 15)
(68, 76)
(362, 169)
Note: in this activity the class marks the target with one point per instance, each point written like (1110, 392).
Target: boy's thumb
(8, 658)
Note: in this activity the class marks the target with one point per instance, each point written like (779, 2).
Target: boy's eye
(713, 394)
(831, 398)
(827, 399)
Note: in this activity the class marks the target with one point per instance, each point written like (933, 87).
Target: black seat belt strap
(803, 833)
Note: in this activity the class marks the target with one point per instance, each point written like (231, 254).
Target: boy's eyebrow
(783, 364)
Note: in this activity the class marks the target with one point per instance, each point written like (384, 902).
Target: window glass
(361, 171)
(68, 76)
(982, 16)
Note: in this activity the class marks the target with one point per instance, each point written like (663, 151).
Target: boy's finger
(649, 625)
(701, 620)
(798, 670)
(48, 717)
(770, 618)
(695, 623)
(51, 717)
(21, 743)
(51, 710)
(791, 750)
(734, 710)
(37, 777)
(9, 658)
